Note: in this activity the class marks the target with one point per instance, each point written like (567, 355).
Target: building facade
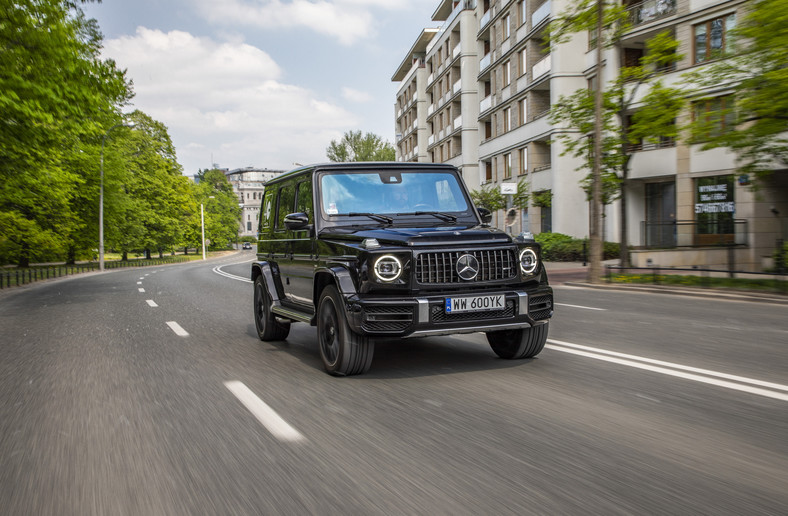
(477, 90)
(248, 184)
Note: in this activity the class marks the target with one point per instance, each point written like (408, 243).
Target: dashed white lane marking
(151, 302)
(265, 414)
(583, 307)
(729, 381)
(177, 329)
(142, 277)
(141, 289)
(139, 283)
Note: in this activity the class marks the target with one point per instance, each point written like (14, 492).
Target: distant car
(247, 245)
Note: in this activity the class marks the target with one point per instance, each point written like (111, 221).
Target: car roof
(361, 165)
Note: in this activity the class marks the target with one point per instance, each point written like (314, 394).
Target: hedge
(557, 247)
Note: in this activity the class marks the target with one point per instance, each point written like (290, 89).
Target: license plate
(456, 305)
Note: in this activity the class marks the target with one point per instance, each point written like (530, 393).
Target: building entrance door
(660, 230)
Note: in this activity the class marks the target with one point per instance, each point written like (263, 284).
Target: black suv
(385, 250)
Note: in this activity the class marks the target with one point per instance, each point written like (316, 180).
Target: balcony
(457, 85)
(484, 63)
(485, 19)
(458, 122)
(650, 10)
(541, 68)
(541, 14)
(485, 104)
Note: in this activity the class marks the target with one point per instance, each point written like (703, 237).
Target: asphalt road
(147, 392)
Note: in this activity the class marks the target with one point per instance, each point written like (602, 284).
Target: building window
(507, 166)
(507, 72)
(248, 226)
(711, 38)
(523, 13)
(522, 111)
(507, 119)
(488, 171)
(523, 160)
(714, 116)
(507, 21)
(521, 62)
(714, 209)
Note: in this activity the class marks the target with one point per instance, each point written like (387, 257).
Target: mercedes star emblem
(467, 267)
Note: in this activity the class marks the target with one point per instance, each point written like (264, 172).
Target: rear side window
(304, 198)
(286, 203)
(267, 211)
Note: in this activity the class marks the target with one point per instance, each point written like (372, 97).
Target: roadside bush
(557, 247)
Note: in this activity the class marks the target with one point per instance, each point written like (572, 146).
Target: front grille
(540, 307)
(387, 318)
(438, 314)
(440, 267)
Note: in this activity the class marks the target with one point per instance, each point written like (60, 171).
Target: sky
(262, 83)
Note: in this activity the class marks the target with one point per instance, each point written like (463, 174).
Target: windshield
(391, 192)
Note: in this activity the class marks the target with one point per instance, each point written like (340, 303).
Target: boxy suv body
(386, 250)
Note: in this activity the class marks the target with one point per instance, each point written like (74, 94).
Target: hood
(402, 236)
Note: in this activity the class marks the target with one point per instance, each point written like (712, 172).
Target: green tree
(357, 147)
(654, 121)
(56, 98)
(489, 197)
(220, 204)
(757, 75)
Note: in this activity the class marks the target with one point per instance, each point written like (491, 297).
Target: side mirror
(296, 221)
(485, 214)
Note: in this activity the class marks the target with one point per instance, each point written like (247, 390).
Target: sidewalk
(575, 274)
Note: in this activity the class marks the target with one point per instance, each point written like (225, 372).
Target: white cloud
(357, 96)
(341, 20)
(224, 100)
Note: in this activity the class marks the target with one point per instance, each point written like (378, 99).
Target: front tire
(343, 351)
(268, 327)
(516, 344)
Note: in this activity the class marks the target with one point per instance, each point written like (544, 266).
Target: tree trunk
(71, 255)
(595, 269)
(147, 254)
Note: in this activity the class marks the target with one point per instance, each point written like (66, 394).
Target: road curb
(756, 297)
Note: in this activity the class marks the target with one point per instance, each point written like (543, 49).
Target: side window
(285, 205)
(304, 198)
(267, 212)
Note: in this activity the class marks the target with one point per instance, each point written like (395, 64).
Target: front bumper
(423, 316)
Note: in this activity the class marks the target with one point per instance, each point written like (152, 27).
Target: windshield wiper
(443, 216)
(373, 216)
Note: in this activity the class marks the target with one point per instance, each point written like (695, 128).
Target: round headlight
(388, 268)
(528, 261)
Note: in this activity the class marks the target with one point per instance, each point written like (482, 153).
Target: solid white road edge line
(151, 303)
(265, 414)
(218, 270)
(670, 372)
(177, 329)
(580, 306)
(707, 372)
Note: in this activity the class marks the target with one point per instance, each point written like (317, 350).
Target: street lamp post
(202, 225)
(101, 193)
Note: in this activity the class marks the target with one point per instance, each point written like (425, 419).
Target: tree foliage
(489, 197)
(756, 74)
(60, 114)
(357, 147)
(56, 94)
(629, 118)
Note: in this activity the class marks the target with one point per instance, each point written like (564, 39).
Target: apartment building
(248, 184)
(478, 90)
